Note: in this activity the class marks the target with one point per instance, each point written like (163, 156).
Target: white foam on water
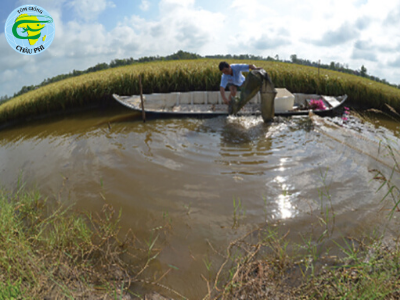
(275, 128)
(245, 121)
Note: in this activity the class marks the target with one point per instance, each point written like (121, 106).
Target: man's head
(225, 68)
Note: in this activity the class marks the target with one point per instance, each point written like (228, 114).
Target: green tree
(363, 71)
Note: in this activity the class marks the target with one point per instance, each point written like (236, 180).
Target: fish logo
(29, 29)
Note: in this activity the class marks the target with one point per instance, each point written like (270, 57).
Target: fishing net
(256, 81)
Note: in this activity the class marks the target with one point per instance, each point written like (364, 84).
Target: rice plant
(188, 75)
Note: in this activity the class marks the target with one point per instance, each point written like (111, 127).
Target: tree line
(340, 68)
(335, 66)
(187, 55)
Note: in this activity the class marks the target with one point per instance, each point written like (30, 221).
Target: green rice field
(190, 75)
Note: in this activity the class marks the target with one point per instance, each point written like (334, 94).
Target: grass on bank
(189, 75)
(261, 266)
(51, 252)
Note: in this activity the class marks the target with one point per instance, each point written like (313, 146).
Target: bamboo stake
(319, 62)
(141, 99)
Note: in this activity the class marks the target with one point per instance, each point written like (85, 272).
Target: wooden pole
(319, 62)
(141, 99)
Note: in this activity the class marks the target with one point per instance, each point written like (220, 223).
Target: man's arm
(222, 91)
(253, 67)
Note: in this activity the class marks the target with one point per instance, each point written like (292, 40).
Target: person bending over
(233, 78)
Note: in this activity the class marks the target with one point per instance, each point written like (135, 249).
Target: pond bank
(53, 252)
(367, 268)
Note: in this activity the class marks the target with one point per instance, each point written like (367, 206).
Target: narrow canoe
(210, 103)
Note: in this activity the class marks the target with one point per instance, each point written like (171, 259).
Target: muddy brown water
(191, 174)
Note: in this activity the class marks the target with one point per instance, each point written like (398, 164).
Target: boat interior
(192, 101)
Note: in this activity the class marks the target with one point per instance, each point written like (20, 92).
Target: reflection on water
(191, 170)
(283, 201)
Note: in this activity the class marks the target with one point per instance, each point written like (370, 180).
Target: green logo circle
(29, 29)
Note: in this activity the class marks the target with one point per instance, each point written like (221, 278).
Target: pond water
(207, 180)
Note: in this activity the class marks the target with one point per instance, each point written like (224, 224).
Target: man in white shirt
(232, 76)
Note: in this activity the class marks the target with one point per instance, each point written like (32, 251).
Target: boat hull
(210, 104)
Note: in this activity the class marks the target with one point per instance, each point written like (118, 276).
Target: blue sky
(351, 32)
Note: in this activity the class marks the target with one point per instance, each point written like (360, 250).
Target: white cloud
(331, 38)
(170, 5)
(46, 4)
(366, 55)
(145, 5)
(180, 26)
(89, 10)
(8, 75)
(266, 42)
(84, 41)
(352, 32)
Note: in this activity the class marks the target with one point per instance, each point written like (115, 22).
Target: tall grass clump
(51, 252)
(188, 75)
(265, 264)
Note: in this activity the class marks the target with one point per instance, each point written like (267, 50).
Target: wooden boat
(210, 103)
